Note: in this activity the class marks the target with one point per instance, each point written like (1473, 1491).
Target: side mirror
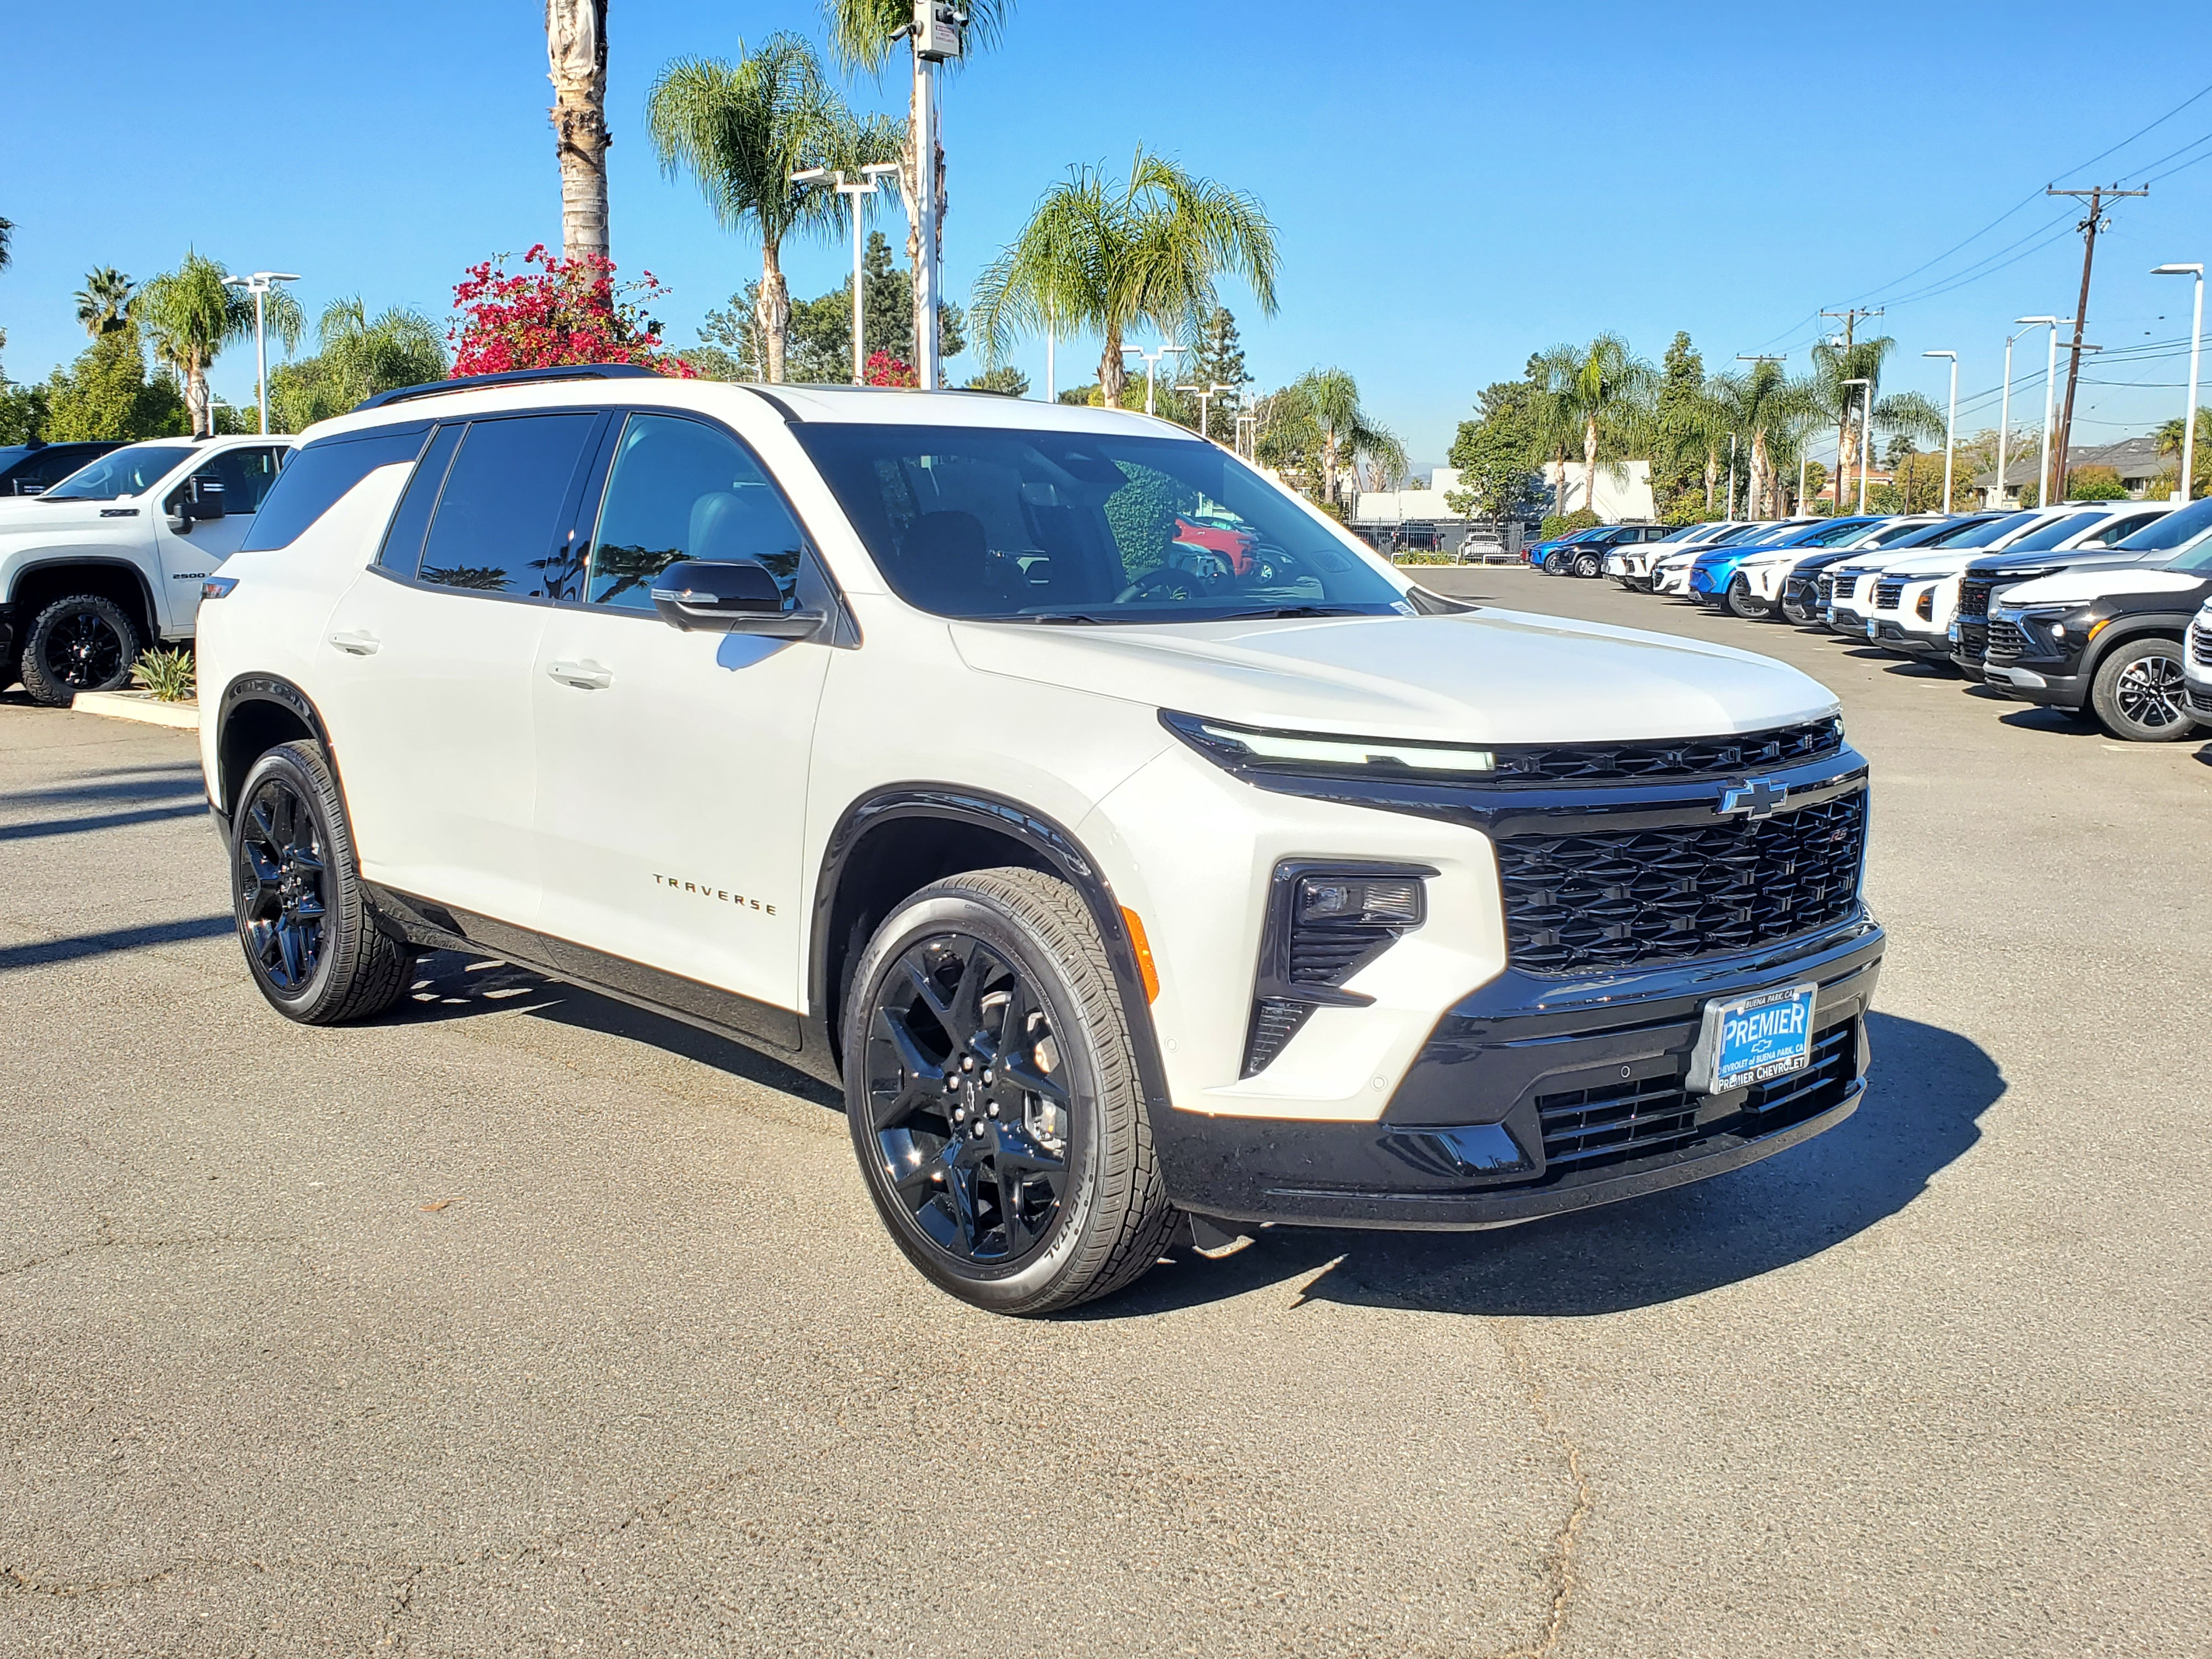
(733, 596)
(207, 498)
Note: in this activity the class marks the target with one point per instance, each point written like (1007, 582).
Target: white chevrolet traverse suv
(1137, 852)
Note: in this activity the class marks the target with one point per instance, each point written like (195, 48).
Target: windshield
(1016, 526)
(1896, 532)
(130, 471)
(1835, 535)
(1975, 532)
(2059, 530)
(2177, 529)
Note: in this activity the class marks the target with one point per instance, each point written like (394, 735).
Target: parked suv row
(1138, 852)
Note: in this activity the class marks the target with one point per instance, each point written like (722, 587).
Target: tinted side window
(681, 490)
(315, 478)
(403, 541)
(501, 522)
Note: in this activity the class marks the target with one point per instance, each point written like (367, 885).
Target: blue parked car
(1714, 576)
(1537, 552)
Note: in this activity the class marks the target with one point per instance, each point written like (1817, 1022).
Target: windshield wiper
(1054, 616)
(1280, 611)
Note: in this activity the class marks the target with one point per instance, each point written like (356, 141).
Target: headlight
(1241, 749)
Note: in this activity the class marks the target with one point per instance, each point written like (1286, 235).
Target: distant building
(2135, 459)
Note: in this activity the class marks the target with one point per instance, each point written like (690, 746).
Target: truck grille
(2200, 643)
(1974, 596)
(1888, 595)
(1680, 758)
(1577, 903)
(1587, 1128)
(2005, 638)
(1973, 639)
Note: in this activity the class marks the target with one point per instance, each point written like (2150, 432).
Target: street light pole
(258, 285)
(1151, 364)
(1204, 396)
(2188, 479)
(1729, 516)
(2049, 380)
(2004, 422)
(871, 175)
(1951, 427)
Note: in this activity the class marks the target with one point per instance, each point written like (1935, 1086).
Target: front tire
(991, 1088)
(81, 643)
(2138, 692)
(303, 916)
(1740, 601)
(1587, 566)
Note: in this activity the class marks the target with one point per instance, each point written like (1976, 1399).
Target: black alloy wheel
(2140, 692)
(309, 934)
(1744, 602)
(282, 864)
(81, 643)
(968, 1102)
(991, 1088)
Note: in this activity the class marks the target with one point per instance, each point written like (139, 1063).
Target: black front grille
(1974, 596)
(1974, 638)
(1888, 595)
(1680, 758)
(1827, 587)
(1579, 903)
(2200, 644)
(2005, 639)
(2200, 702)
(1614, 1123)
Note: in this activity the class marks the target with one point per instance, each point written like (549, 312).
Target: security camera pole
(258, 285)
(936, 33)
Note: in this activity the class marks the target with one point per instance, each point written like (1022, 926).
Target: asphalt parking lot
(525, 1322)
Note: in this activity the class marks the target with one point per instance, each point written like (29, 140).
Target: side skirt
(776, 1031)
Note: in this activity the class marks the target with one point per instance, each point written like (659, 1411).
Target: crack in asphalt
(191, 1240)
(1560, 1566)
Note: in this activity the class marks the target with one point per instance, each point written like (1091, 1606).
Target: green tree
(1316, 426)
(356, 357)
(1004, 379)
(1835, 366)
(1108, 256)
(7, 242)
(818, 346)
(2094, 483)
(190, 315)
(1769, 413)
(741, 130)
(1681, 453)
(2171, 435)
(1496, 484)
(862, 34)
(103, 299)
(106, 393)
(1604, 391)
(1217, 358)
(23, 409)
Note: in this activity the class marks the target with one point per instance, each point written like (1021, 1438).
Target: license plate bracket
(1753, 1039)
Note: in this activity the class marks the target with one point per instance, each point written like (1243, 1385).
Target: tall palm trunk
(773, 309)
(196, 395)
(1589, 464)
(576, 50)
(1846, 447)
(1712, 472)
(1762, 479)
(1113, 372)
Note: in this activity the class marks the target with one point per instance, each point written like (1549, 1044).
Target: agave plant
(171, 676)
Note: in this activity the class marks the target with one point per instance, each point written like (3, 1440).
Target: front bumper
(1892, 634)
(1534, 1097)
(2038, 680)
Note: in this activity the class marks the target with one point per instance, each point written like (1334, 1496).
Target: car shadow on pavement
(456, 984)
(1926, 1094)
(170, 781)
(2060, 722)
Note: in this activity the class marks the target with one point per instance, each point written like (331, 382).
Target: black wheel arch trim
(105, 562)
(1062, 852)
(273, 689)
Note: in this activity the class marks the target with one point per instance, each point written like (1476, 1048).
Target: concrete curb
(138, 706)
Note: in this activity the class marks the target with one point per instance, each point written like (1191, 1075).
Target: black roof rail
(510, 377)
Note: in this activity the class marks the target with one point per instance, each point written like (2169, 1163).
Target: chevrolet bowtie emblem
(1756, 798)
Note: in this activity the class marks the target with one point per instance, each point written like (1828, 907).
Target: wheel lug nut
(987, 1075)
(959, 1114)
(994, 1108)
(967, 1062)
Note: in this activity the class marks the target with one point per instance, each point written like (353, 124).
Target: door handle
(585, 676)
(356, 645)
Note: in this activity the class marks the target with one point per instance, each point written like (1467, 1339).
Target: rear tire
(991, 1088)
(1740, 600)
(2137, 692)
(303, 916)
(81, 643)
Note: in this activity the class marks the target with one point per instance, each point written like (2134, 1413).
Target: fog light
(1391, 901)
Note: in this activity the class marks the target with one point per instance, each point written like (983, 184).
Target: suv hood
(1480, 676)
(2082, 586)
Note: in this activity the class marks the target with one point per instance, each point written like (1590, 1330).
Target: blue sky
(1455, 185)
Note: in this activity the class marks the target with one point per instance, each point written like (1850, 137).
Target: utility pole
(2090, 225)
(1850, 317)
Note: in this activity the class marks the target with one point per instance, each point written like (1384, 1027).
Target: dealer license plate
(1874, 628)
(1952, 633)
(1754, 1039)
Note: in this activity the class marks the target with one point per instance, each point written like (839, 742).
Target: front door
(672, 766)
(237, 478)
(425, 665)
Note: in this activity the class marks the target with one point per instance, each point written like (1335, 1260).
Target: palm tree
(1768, 413)
(741, 130)
(1316, 425)
(103, 301)
(862, 35)
(1906, 412)
(357, 356)
(6, 236)
(191, 315)
(2171, 436)
(576, 57)
(1604, 390)
(1099, 254)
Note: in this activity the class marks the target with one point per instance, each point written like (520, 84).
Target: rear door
(426, 662)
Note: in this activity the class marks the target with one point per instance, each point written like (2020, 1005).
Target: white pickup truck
(110, 560)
